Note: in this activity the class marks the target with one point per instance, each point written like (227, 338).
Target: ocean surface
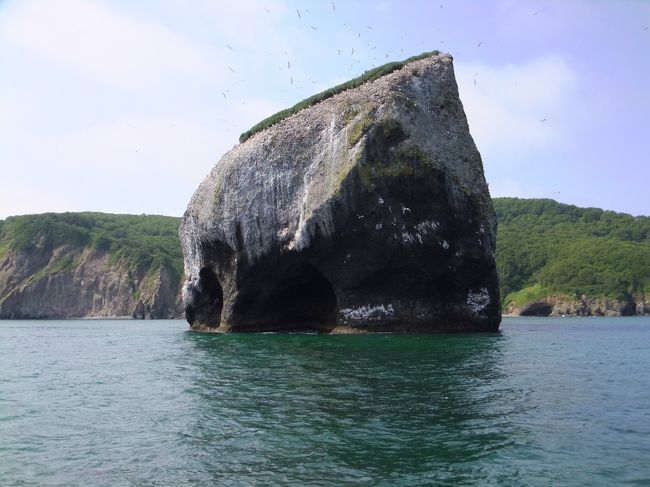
(560, 401)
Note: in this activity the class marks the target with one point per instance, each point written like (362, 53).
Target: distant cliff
(80, 265)
(552, 259)
(556, 259)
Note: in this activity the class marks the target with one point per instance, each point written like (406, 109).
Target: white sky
(124, 107)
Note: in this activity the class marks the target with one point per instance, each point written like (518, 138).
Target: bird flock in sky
(302, 16)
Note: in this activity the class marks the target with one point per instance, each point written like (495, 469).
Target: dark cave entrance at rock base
(302, 299)
(209, 300)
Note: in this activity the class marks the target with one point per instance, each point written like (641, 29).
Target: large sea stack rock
(366, 212)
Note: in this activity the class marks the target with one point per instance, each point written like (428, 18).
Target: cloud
(134, 144)
(515, 108)
(97, 148)
(132, 164)
(100, 43)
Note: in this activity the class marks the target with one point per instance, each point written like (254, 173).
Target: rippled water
(545, 402)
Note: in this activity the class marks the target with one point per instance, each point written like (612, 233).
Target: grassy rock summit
(367, 211)
(76, 265)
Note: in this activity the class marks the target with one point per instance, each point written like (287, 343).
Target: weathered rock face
(71, 283)
(585, 306)
(366, 212)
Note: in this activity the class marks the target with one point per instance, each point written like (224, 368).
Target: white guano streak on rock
(478, 301)
(419, 232)
(288, 175)
(368, 313)
(301, 238)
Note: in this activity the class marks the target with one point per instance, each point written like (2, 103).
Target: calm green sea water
(112, 403)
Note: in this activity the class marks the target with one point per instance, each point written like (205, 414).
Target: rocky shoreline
(585, 306)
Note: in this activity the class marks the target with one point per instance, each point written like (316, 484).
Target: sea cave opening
(209, 300)
(302, 299)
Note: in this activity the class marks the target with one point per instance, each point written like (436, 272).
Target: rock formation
(68, 282)
(366, 212)
(73, 279)
(584, 306)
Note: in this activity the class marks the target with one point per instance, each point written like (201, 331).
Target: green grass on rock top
(367, 76)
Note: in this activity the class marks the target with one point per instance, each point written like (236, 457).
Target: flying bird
(479, 44)
(339, 51)
(543, 120)
(298, 11)
(229, 47)
(368, 27)
(224, 95)
(313, 27)
(352, 53)
(292, 80)
(231, 69)
(333, 7)
(267, 10)
(288, 65)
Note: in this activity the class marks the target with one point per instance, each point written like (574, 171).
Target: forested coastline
(552, 258)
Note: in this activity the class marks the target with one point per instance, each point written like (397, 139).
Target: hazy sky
(124, 107)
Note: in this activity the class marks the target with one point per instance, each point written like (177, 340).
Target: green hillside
(144, 242)
(544, 248)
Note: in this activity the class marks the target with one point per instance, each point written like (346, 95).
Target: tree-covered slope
(89, 264)
(544, 249)
(145, 242)
(547, 248)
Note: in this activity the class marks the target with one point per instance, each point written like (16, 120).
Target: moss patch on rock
(360, 127)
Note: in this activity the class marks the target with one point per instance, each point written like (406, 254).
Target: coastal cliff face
(83, 265)
(67, 283)
(366, 212)
(585, 306)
